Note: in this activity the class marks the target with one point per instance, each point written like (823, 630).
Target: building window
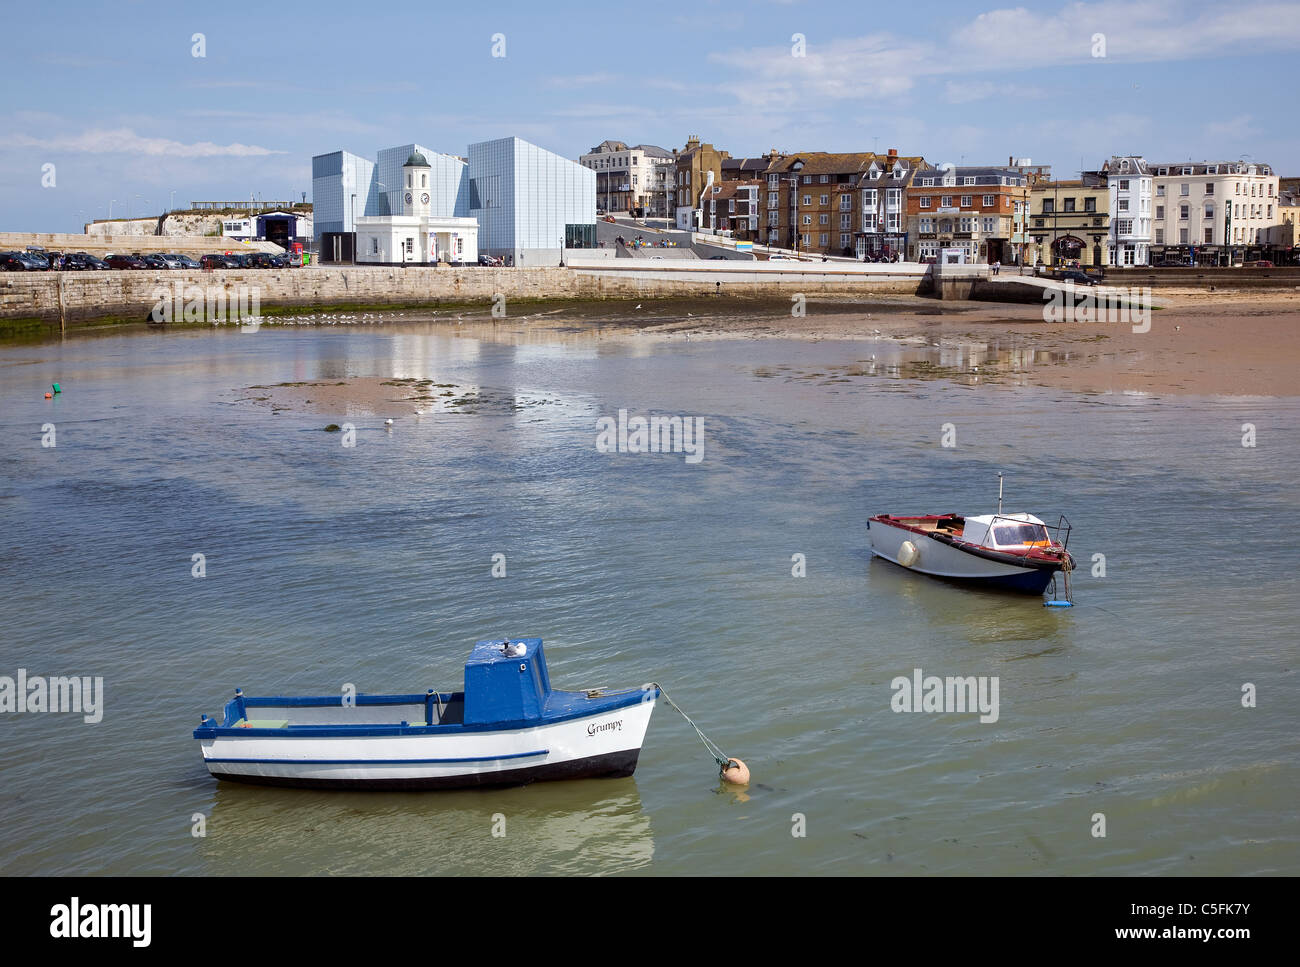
(924, 201)
(774, 181)
(1124, 226)
(1160, 191)
(846, 221)
(868, 221)
(1090, 204)
(805, 240)
(825, 239)
(825, 199)
(1049, 206)
(771, 199)
(990, 201)
(844, 240)
(1209, 188)
(823, 219)
(1123, 204)
(1160, 236)
(773, 219)
(945, 201)
(1184, 188)
(1182, 236)
(1209, 235)
(990, 226)
(846, 202)
(807, 199)
(1209, 210)
(1182, 211)
(1160, 211)
(965, 201)
(807, 179)
(1069, 204)
(822, 179)
(374, 246)
(968, 180)
(807, 219)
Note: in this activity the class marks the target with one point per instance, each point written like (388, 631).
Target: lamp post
(353, 222)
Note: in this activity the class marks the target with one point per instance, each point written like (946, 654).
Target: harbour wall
(54, 301)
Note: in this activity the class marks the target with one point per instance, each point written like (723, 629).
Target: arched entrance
(1067, 248)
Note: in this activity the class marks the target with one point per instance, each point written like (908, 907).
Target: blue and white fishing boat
(508, 727)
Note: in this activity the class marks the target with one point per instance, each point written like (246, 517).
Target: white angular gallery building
(527, 203)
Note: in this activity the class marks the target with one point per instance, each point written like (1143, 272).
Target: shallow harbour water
(373, 565)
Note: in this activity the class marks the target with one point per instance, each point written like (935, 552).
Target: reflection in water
(572, 828)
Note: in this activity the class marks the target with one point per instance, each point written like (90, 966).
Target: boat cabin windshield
(1009, 535)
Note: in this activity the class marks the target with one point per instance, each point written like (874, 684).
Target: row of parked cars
(34, 261)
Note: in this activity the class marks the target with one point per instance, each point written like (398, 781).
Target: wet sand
(1198, 343)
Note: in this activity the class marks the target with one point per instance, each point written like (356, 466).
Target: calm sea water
(373, 566)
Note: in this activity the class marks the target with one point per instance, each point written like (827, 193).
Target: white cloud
(126, 141)
(1012, 39)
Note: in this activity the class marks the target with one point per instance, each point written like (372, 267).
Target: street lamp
(353, 222)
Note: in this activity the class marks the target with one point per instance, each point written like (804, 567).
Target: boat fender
(735, 772)
(908, 554)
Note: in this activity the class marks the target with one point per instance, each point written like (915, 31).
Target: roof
(729, 189)
(743, 166)
(1223, 167)
(416, 159)
(652, 150)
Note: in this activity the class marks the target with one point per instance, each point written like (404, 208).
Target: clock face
(424, 199)
(408, 197)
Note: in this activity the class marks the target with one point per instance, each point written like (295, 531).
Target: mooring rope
(718, 755)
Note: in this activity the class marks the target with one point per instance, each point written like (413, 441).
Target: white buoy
(908, 554)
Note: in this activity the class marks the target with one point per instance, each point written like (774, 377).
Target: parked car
(154, 261)
(488, 260)
(125, 262)
(781, 258)
(717, 258)
(14, 262)
(167, 259)
(1074, 275)
(213, 261)
(81, 262)
(185, 262)
(240, 260)
(38, 260)
(260, 260)
(1259, 264)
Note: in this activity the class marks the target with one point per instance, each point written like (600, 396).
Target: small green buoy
(56, 388)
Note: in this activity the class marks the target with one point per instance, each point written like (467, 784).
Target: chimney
(1011, 160)
(893, 154)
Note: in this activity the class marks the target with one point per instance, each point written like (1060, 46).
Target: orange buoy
(735, 772)
(49, 396)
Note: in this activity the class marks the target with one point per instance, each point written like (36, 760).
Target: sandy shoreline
(1199, 343)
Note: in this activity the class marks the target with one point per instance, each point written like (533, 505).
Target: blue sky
(111, 95)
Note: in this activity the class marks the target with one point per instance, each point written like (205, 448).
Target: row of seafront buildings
(514, 200)
(863, 204)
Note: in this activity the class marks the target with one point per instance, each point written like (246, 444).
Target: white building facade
(628, 178)
(1131, 191)
(1211, 212)
(419, 235)
(530, 203)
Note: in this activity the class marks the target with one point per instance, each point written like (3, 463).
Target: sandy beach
(1198, 343)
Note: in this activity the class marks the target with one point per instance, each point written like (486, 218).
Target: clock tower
(415, 186)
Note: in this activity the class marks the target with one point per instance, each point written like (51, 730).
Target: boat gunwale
(611, 703)
(1032, 558)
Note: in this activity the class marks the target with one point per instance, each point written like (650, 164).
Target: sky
(108, 104)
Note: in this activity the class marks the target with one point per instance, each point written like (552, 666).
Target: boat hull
(604, 745)
(948, 561)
